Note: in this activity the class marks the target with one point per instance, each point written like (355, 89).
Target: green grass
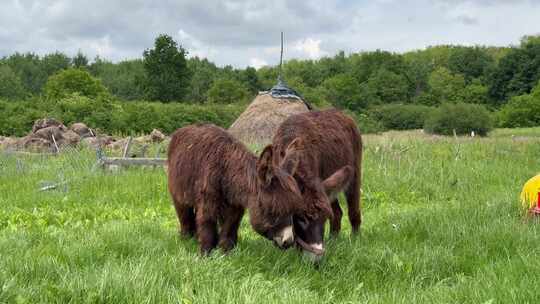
(441, 225)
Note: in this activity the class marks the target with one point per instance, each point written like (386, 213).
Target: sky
(247, 32)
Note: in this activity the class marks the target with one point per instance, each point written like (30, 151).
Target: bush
(227, 91)
(112, 116)
(17, 118)
(366, 124)
(521, 111)
(401, 117)
(11, 86)
(461, 117)
(72, 81)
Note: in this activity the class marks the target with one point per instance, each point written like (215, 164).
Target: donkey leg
(186, 217)
(187, 222)
(335, 223)
(353, 203)
(228, 235)
(206, 223)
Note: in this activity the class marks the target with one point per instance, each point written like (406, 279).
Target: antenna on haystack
(281, 90)
(281, 58)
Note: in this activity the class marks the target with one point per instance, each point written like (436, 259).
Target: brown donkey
(213, 177)
(329, 163)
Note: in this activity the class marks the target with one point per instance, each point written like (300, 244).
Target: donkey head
(309, 226)
(278, 198)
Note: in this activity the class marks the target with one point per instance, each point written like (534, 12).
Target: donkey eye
(303, 223)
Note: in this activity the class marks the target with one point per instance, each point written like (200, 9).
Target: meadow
(442, 224)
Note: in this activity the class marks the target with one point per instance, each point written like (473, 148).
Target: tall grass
(441, 225)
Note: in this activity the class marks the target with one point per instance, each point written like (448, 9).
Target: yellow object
(529, 194)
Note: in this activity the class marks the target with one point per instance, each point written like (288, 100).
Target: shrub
(17, 118)
(72, 81)
(401, 117)
(366, 124)
(461, 117)
(227, 91)
(112, 116)
(521, 111)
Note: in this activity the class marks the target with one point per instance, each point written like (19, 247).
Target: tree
(167, 74)
(518, 71)
(475, 93)
(55, 62)
(124, 79)
(72, 81)
(388, 87)
(366, 64)
(29, 70)
(343, 91)
(227, 91)
(203, 74)
(80, 60)
(11, 86)
(445, 86)
(250, 80)
(471, 62)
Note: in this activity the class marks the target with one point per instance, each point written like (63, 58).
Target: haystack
(260, 121)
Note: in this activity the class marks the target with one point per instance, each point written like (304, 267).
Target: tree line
(494, 77)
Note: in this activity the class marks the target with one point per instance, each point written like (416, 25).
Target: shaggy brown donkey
(213, 177)
(329, 163)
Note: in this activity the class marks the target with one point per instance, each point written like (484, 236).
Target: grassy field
(442, 224)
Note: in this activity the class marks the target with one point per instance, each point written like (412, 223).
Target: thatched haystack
(259, 122)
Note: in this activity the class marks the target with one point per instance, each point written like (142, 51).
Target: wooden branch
(126, 148)
(55, 144)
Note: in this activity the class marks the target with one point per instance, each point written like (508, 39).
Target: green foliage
(364, 65)
(251, 80)
(474, 93)
(29, 69)
(203, 74)
(521, 111)
(97, 111)
(55, 62)
(385, 86)
(72, 81)
(124, 80)
(112, 116)
(517, 72)
(401, 117)
(11, 86)
(445, 86)
(459, 117)
(17, 118)
(167, 74)
(471, 62)
(226, 91)
(343, 91)
(80, 60)
(366, 123)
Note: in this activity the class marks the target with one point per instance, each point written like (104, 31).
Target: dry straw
(259, 122)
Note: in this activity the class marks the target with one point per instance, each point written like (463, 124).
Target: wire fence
(73, 164)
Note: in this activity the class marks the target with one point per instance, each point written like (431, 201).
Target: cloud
(246, 32)
(257, 63)
(310, 47)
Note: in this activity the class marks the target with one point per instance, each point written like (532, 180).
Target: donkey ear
(292, 156)
(264, 166)
(338, 181)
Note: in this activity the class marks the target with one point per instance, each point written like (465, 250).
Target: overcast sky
(246, 32)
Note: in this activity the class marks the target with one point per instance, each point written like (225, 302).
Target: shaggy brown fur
(330, 161)
(213, 177)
